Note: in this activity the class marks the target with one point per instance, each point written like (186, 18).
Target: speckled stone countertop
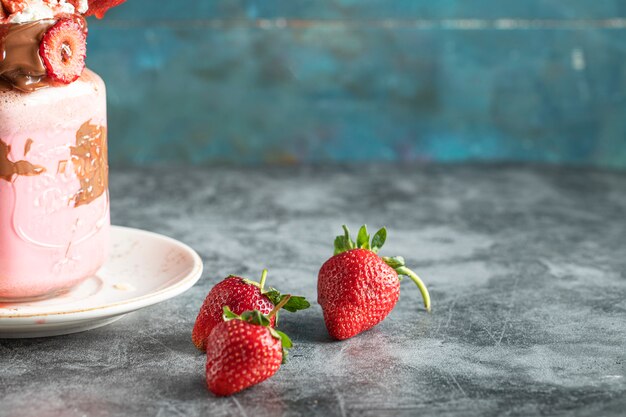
(527, 269)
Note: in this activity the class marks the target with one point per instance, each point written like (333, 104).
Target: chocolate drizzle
(89, 158)
(27, 146)
(9, 169)
(21, 66)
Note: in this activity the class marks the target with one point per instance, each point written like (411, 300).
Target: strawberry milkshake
(54, 201)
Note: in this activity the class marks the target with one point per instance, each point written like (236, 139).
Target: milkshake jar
(54, 200)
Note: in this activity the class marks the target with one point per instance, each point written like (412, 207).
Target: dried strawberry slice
(78, 18)
(63, 50)
(100, 7)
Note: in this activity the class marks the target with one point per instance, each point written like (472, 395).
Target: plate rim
(120, 307)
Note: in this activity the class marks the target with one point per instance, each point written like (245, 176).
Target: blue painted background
(298, 81)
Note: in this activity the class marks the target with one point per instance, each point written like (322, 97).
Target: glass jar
(54, 200)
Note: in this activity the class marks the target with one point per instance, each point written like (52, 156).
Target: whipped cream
(46, 9)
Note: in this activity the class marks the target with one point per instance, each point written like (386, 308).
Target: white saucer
(144, 269)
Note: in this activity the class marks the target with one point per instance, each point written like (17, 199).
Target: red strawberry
(244, 351)
(63, 50)
(3, 14)
(239, 294)
(357, 288)
(100, 7)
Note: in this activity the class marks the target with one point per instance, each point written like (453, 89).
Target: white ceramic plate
(144, 269)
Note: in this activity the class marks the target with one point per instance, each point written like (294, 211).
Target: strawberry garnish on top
(356, 288)
(99, 8)
(63, 50)
(244, 350)
(239, 294)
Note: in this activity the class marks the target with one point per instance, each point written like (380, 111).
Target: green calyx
(257, 318)
(294, 303)
(344, 243)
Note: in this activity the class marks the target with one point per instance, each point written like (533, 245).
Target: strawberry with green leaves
(244, 350)
(239, 295)
(357, 288)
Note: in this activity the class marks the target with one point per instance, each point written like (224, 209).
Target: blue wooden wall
(297, 81)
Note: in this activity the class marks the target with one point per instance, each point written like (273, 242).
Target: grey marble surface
(527, 268)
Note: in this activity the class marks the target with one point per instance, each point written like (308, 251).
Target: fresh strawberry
(14, 6)
(239, 294)
(244, 351)
(100, 7)
(357, 288)
(3, 14)
(63, 50)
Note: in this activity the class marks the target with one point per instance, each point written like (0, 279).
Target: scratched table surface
(526, 266)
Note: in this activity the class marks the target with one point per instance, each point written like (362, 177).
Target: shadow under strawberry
(308, 327)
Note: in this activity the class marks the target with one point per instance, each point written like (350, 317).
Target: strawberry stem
(398, 263)
(403, 270)
(263, 278)
(278, 306)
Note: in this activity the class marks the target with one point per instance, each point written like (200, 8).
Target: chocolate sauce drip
(27, 146)
(21, 66)
(89, 158)
(9, 169)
